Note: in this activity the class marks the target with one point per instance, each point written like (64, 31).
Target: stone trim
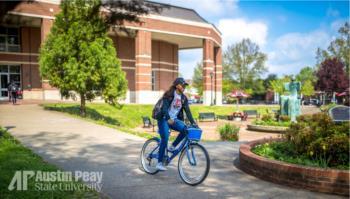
(143, 56)
(30, 15)
(173, 33)
(19, 62)
(20, 53)
(182, 21)
(143, 64)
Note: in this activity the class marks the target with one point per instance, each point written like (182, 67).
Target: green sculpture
(290, 104)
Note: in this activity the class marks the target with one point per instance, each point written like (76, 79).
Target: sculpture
(290, 104)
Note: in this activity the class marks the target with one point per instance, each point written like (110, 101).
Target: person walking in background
(9, 91)
(13, 88)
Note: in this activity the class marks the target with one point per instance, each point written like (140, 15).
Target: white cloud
(234, 30)
(297, 46)
(206, 7)
(293, 51)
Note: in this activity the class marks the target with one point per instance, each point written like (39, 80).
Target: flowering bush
(229, 132)
(318, 137)
(237, 114)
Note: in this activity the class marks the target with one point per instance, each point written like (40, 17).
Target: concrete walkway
(74, 144)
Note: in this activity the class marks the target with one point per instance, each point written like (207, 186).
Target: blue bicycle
(193, 163)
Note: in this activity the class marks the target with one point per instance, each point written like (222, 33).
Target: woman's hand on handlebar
(170, 121)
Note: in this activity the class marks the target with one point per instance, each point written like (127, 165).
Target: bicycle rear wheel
(149, 155)
(194, 164)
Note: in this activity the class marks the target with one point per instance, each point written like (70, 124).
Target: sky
(289, 32)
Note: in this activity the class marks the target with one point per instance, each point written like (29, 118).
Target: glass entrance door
(9, 73)
(3, 86)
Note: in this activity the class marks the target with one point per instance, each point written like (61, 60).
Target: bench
(222, 117)
(207, 116)
(250, 113)
(147, 122)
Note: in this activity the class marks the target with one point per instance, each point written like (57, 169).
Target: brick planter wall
(272, 129)
(314, 179)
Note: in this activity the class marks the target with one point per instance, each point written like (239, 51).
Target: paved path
(74, 144)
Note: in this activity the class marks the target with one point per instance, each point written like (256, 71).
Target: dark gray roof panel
(179, 12)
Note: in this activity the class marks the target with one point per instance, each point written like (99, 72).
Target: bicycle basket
(194, 134)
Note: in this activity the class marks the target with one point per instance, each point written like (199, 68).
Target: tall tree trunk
(82, 105)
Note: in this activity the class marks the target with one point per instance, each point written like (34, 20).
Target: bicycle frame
(184, 144)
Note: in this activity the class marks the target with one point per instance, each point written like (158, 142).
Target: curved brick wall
(314, 179)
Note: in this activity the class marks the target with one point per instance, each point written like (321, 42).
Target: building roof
(180, 13)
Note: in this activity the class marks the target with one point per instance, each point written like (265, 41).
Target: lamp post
(211, 89)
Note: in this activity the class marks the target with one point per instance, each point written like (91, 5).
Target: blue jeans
(163, 129)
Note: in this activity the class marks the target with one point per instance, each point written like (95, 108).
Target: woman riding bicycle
(174, 103)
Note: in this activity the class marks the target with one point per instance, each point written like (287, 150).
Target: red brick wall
(30, 43)
(314, 179)
(164, 61)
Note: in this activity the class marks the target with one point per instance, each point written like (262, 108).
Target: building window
(153, 80)
(9, 39)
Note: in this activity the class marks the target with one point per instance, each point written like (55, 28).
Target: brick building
(150, 58)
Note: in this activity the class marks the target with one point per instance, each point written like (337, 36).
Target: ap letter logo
(21, 180)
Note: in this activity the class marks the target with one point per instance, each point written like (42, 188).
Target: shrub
(229, 132)
(284, 118)
(319, 138)
(272, 123)
(267, 117)
(325, 108)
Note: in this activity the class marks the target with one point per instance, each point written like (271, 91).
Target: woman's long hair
(170, 92)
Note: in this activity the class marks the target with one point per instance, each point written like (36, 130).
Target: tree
(305, 74)
(307, 88)
(277, 85)
(79, 58)
(198, 78)
(268, 79)
(258, 87)
(332, 77)
(228, 86)
(339, 48)
(244, 62)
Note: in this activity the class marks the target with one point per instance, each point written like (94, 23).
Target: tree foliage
(339, 48)
(307, 88)
(244, 63)
(78, 57)
(268, 79)
(331, 76)
(228, 86)
(306, 74)
(277, 85)
(198, 78)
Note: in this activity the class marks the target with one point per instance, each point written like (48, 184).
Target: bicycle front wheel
(194, 164)
(149, 155)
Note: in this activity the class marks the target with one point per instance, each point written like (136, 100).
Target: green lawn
(15, 157)
(129, 116)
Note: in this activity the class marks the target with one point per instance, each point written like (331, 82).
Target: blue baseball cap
(180, 80)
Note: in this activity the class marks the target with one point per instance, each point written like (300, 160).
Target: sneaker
(160, 167)
(171, 148)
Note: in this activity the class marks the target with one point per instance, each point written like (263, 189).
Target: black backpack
(157, 109)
